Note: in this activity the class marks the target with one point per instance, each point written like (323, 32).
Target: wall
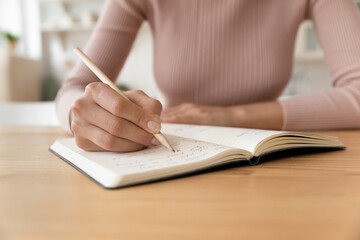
(20, 17)
(23, 17)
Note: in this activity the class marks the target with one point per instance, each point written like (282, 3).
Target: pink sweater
(227, 52)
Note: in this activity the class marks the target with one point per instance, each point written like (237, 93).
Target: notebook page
(243, 138)
(187, 151)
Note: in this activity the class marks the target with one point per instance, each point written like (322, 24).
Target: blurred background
(36, 42)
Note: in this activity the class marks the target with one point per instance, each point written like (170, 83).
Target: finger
(177, 112)
(186, 114)
(110, 100)
(103, 139)
(172, 112)
(117, 126)
(87, 145)
(142, 99)
(179, 108)
(166, 113)
(179, 119)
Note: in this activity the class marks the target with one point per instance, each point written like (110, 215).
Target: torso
(218, 52)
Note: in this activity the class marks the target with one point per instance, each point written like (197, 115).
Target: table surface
(288, 196)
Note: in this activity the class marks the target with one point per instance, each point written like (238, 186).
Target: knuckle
(116, 128)
(93, 87)
(139, 92)
(79, 108)
(146, 139)
(118, 107)
(155, 105)
(78, 104)
(139, 116)
(75, 126)
(109, 142)
(75, 111)
(136, 92)
(82, 144)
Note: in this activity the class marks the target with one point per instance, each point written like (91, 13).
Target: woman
(216, 62)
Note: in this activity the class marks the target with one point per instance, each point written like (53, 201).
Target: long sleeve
(231, 52)
(337, 24)
(108, 47)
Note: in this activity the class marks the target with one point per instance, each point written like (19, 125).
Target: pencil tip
(162, 139)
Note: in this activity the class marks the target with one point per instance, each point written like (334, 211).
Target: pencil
(101, 75)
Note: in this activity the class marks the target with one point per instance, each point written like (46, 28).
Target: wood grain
(289, 196)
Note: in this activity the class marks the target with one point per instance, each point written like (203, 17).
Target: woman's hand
(103, 120)
(197, 114)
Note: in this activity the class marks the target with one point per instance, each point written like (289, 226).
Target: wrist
(265, 115)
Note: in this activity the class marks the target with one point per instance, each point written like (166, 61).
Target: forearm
(266, 115)
(263, 115)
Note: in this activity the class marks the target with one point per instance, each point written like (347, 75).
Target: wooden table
(314, 196)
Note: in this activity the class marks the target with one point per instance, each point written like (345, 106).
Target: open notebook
(197, 147)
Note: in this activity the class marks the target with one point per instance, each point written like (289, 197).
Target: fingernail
(154, 126)
(155, 142)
